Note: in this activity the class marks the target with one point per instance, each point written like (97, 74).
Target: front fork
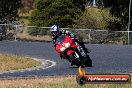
(76, 56)
(81, 50)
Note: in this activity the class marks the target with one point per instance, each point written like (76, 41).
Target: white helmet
(54, 28)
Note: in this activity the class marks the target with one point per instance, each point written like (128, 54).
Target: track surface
(106, 58)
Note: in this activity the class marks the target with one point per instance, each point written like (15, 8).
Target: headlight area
(62, 49)
(67, 45)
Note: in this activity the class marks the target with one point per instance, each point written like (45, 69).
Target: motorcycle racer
(56, 31)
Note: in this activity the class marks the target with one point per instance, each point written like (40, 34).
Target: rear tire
(88, 62)
(1, 38)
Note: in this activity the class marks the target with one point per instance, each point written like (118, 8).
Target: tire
(74, 61)
(88, 62)
(1, 38)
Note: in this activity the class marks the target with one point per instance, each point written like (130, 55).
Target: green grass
(15, 62)
(59, 82)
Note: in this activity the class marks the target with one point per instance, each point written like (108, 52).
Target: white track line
(53, 64)
(44, 65)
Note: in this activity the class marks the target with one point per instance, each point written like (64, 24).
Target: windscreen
(60, 39)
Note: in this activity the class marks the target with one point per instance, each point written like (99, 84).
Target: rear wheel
(88, 61)
(1, 38)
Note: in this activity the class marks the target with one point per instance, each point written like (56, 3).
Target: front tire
(74, 61)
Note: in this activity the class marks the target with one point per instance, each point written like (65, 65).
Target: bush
(94, 18)
(37, 31)
(62, 12)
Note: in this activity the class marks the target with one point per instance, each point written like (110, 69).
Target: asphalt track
(106, 58)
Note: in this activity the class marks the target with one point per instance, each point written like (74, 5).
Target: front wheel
(74, 60)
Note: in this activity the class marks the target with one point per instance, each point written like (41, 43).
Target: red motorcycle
(71, 50)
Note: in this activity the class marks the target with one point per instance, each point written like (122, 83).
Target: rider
(55, 31)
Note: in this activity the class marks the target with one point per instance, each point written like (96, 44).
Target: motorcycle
(71, 50)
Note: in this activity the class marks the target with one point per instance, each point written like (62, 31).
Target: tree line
(63, 12)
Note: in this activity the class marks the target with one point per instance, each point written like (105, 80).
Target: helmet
(54, 30)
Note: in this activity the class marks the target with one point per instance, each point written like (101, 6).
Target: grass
(15, 62)
(58, 82)
(25, 36)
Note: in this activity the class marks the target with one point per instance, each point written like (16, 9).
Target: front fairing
(61, 41)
